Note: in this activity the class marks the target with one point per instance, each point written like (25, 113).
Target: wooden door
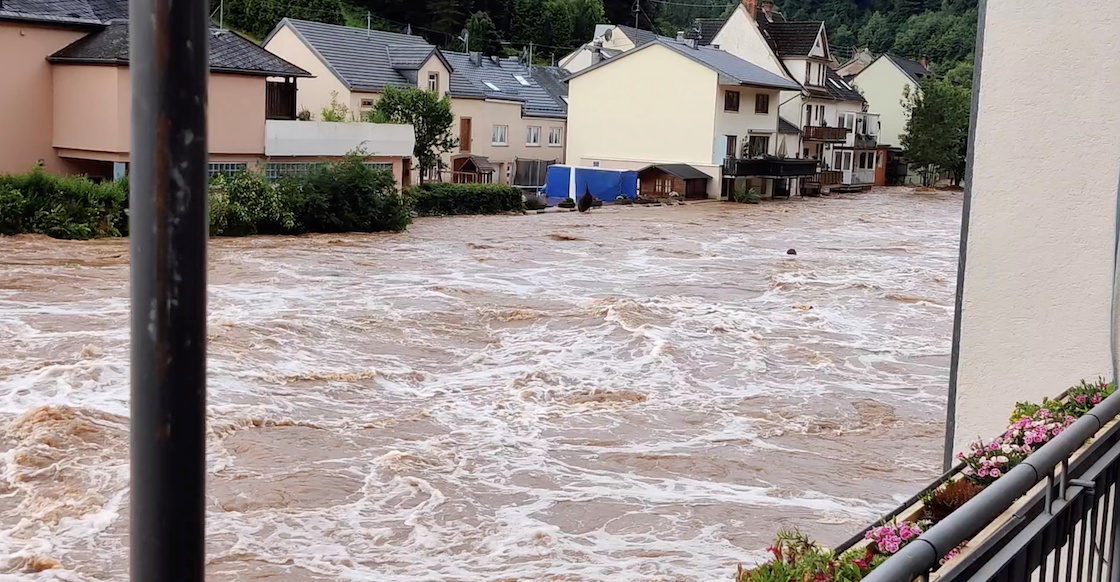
(464, 134)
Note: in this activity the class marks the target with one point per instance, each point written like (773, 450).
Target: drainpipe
(169, 58)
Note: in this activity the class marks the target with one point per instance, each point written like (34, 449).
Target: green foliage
(344, 196)
(62, 206)
(335, 111)
(246, 203)
(959, 73)
(1078, 400)
(936, 138)
(559, 22)
(585, 15)
(941, 36)
(258, 17)
(429, 115)
(799, 559)
(878, 34)
(528, 24)
(745, 196)
(947, 498)
(441, 199)
(483, 34)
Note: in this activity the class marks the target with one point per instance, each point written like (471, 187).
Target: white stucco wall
(741, 37)
(1035, 312)
(745, 122)
(668, 115)
(883, 85)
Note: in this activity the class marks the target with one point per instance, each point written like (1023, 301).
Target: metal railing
(1065, 529)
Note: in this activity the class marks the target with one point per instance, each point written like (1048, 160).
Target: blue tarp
(606, 185)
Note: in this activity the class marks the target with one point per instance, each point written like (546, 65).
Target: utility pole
(530, 54)
(636, 10)
(369, 23)
(222, 14)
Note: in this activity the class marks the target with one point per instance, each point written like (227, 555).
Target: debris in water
(803, 307)
(586, 201)
(791, 252)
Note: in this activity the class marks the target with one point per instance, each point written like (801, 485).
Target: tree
(842, 36)
(430, 117)
(527, 25)
(936, 138)
(483, 34)
(559, 27)
(878, 34)
(585, 15)
(941, 36)
(258, 17)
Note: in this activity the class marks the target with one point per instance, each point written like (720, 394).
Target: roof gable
(913, 69)
(637, 36)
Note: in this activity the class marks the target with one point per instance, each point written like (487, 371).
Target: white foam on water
(474, 400)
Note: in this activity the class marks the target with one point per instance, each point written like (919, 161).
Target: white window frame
(433, 82)
(847, 120)
(533, 136)
(555, 136)
(500, 135)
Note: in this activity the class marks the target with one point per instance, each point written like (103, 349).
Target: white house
(830, 113)
(610, 40)
(685, 104)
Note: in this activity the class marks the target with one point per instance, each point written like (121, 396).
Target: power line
(685, 5)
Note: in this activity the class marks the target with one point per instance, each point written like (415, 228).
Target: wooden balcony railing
(279, 100)
(769, 168)
(825, 133)
(829, 177)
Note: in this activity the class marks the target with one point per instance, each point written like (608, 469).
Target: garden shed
(658, 180)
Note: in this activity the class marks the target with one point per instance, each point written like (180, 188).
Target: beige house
(1035, 293)
(684, 104)
(510, 119)
(885, 83)
(610, 40)
(67, 102)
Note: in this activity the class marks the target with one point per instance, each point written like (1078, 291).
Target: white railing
(323, 138)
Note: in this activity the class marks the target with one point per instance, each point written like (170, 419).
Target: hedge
(442, 199)
(62, 206)
(345, 196)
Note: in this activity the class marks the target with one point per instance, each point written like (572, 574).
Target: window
(820, 75)
(533, 135)
(524, 82)
(492, 86)
(762, 103)
(730, 100)
(758, 145)
(431, 174)
(808, 115)
(847, 120)
(663, 185)
(226, 169)
(367, 103)
(433, 82)
(820, 114)
(843, 160)
(808, 74)
(500, 133)
(731, 144)
(555, 135)
(867, 160)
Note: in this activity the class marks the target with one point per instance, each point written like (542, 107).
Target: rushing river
(634, 394)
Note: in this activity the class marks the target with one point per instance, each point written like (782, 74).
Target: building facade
(510, 119)
(886, 84)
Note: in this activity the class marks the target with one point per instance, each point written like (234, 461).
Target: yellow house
(670, 102)
(509, 117)
(885, 83)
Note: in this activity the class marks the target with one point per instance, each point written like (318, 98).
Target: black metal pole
(168, 57)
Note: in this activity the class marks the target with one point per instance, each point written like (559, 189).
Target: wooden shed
(659, 180)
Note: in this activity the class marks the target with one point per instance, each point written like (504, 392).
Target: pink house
(66, 101)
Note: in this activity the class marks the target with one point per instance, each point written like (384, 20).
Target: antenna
(222, 14)
(635, 10)
(465, 36)
(369, 19)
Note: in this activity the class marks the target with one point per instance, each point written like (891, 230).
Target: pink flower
(1096, 399)
(994, 473)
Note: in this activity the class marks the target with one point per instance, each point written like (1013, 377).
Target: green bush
(345, 196)
(62, 206)
(441, 199)
(246, 203)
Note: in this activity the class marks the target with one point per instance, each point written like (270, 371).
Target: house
(510, 125)
(1036, 304)
(857, 63)
(835, 128)
(885, 83)
(675, 102)
(610, 40)
(66, 103)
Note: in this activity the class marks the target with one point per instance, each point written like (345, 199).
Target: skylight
(521, 80)
(491, 86)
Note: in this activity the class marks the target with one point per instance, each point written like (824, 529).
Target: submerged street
(631, 394)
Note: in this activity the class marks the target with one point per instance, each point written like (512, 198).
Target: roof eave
(50, 20)
(295, 30)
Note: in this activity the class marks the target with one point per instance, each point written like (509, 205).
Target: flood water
(636, 394)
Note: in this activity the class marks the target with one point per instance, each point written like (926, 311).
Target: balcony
(820, 133)
(769, 168)
(333, 139)
(864, 142)
(280, 100)
(828, 177)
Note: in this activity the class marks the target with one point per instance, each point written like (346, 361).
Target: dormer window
(433, 82)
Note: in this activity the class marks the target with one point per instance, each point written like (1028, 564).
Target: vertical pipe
(169, 43)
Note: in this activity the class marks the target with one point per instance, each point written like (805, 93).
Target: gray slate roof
(732, 69)
(370, 60)
(637, 35)
(229, 53)
(840, 89)
(913, 69)
(64, 11)
(682, 171)
(793, 39)
(706, 29)
(787, 126)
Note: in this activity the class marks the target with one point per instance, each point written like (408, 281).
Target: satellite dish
(607, 34)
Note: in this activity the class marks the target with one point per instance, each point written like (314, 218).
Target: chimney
(680, 36)
(496, 60)
(924, 63)
(476, 58)
(691, 43)
(596, 55)
(752, 7)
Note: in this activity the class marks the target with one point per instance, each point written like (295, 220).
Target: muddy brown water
(633, 394)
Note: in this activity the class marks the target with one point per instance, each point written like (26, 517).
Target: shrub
(441, 198)
(62, 206)
(746, 196)
(946, 499)
(345, 196)
(246, 203)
